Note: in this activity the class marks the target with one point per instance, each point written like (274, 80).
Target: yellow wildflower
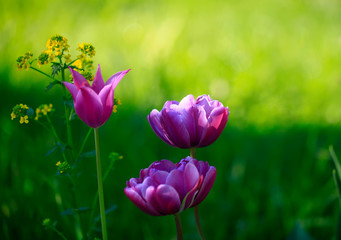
(43, 110)
(116, 103)
(44, 58)
(63, 166)
(78, 64)
(56, 46)
(86, 49)
(23, 112)
(23, 61)
(67, 58)
(24, 119)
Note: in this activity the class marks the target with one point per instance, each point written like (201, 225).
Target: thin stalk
(44, 73)
(53, 130)
(196, 209)
(192, 152)
(67, 116)
(100, 187)
(83, 143)
(57, 231)
(178, 226)
(78, 225)
(197, 222)
(94, 201)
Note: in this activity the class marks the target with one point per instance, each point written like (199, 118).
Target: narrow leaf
(51, 85)
(335, 160)
(338, 184)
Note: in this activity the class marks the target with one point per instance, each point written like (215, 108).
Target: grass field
(276, 64)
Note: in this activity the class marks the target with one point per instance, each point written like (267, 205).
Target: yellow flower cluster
(23, 61)
(21, 111)
(87, 50)
(84, 62)
(42, 110)
(116, 103)
(44, 58)
(57, 45)
(63, 166)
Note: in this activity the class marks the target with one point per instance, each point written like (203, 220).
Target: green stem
(78, 225)
(67, 115)
(94, 201)
(83, 143)
(100, 186)
(53, 130)
(196, 209)
(58, 232)
(192, 152)
(178, 226)
(44, 73)
(197, 222)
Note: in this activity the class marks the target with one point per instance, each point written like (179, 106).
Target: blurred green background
(274, 63)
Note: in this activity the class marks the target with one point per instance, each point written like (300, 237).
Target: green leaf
(73, 211)
(90, 154)
(338, 184)
(335, 160)
(56, 68)
(51, 85)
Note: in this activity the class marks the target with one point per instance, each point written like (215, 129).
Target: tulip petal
(163, 165)
(168, 104)
(139, 202)
(72, 89)
(215, 125)
(107, 98)
(187, 110)
(191, 176)
(187, 102)
(152, 200)
(141, 188)
(116, 78)
(201, 122)
(78, 79)
(98, 82)
(204, 101)
(206, 185)
(192, 181)
(173, 124)
(154, 121)
(89, 108)
(168, 199)
(176, 180)
(160, 177)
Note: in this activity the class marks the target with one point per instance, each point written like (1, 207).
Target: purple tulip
(94, 104)
(190, 123)
(166, 188)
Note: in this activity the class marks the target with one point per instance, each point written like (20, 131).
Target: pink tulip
(94, 104)
(191, 122)
(166, 188)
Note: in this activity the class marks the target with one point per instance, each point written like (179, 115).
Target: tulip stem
(67, 116)
(197, 222)
(196, 209)
(178, 226)
(100, 187)
(192, 152)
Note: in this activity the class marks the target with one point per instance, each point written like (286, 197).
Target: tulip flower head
(189, 123)
(166, 188)
(94, 104)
